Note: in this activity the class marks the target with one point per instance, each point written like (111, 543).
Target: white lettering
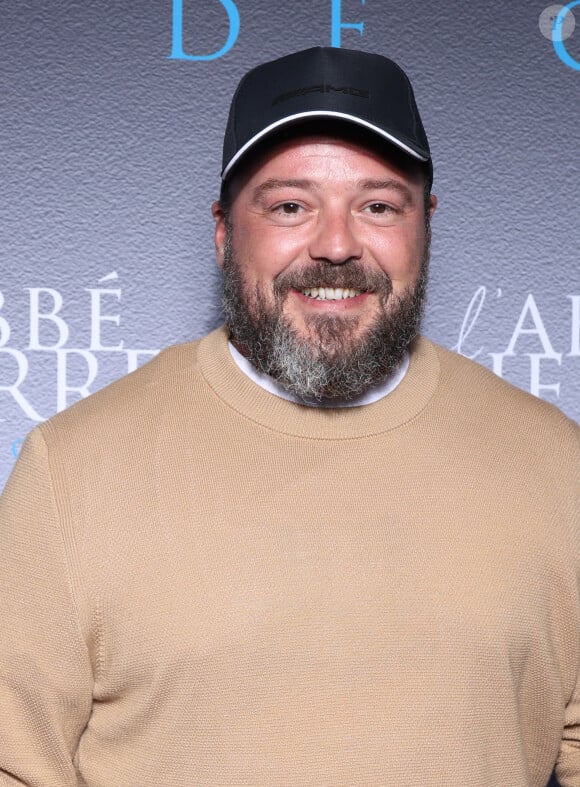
(575, 343)
(538, 329)
(97, 319)
(36, 316)
(14, 390)
(469, 319)
(497, 359)
(4, 326)
(62, 384)
(536, 387)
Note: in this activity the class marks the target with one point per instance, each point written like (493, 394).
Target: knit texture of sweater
(204, 584)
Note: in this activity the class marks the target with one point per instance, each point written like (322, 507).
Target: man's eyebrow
(390, 183)
(275, 183)
(366, 185)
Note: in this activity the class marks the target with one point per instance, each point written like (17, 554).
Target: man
(326, 552)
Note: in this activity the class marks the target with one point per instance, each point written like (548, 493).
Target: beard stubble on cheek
(330, 357)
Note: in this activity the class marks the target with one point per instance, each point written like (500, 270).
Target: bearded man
(312, 548)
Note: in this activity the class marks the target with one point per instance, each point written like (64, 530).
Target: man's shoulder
(133, 400)
(474, 388)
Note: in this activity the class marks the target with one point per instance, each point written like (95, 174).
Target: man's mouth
(330, 293)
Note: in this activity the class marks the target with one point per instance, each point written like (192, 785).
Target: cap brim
(290, 119)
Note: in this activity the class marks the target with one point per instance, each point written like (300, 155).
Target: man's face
(324, 254)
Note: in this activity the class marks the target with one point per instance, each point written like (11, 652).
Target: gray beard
(332, 362)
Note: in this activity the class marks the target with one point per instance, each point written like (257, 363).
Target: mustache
(349, 275)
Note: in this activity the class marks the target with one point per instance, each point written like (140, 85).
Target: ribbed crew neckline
(247, 398)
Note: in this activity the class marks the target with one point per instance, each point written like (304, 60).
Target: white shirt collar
(371, 395)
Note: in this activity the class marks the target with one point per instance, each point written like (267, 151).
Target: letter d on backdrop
(177, 52)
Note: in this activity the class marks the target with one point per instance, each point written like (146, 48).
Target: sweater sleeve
(45, 671)
(568, 769)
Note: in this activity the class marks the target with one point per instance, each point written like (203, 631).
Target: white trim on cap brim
(320, 113)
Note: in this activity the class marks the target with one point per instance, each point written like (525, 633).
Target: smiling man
(312, 548)
(325, 279)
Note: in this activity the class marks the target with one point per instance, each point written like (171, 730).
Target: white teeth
(330, 293)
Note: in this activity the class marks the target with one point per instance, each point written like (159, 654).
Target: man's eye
(378, 208)
(288, 208)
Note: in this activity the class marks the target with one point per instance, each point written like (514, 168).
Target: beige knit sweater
(204, 584)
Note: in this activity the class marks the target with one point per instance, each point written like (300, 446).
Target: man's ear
(432, 205)
(219, 232)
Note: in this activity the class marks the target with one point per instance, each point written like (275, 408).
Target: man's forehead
(286, 149)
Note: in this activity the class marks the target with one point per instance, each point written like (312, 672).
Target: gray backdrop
(111, 122)
(110, 134)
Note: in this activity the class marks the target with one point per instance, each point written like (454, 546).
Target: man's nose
(335, 239)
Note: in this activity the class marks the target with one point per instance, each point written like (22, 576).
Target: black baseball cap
(325, 83)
